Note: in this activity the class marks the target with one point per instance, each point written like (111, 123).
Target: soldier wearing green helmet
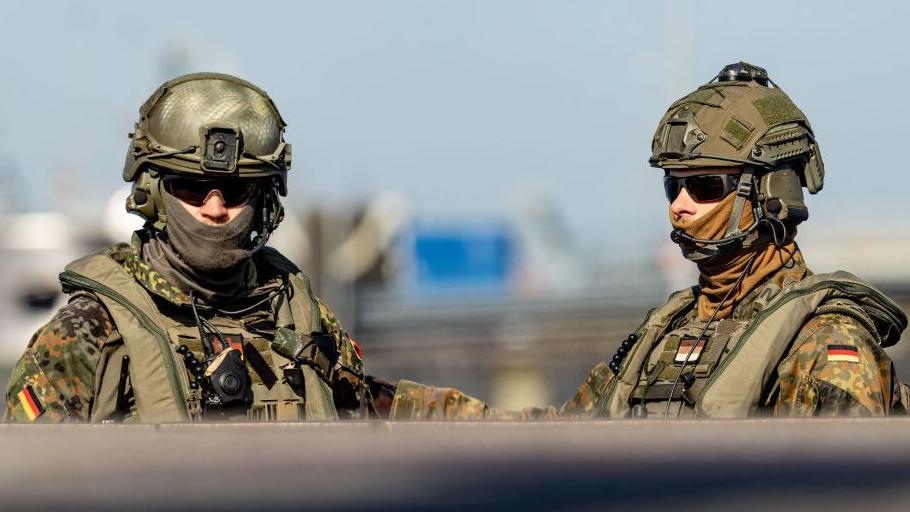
(760, 334)
(196, 318)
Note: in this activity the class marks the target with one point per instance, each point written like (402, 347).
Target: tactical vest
(157, 373)
(739, 385)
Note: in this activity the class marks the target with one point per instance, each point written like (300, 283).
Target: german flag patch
(30, 403)
(688, 351)
(843, 353)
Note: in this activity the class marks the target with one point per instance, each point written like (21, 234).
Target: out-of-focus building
(513, 310)
(34, 247)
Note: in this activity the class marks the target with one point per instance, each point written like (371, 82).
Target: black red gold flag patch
(31, 403)
(357, 348)
(688, 350)
(843, 353)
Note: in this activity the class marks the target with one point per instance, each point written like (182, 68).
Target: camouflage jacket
(57, 378)
(834, 366)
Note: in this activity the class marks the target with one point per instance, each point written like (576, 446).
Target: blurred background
(470, 188)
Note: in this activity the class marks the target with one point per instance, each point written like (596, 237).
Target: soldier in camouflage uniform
(760, 334)
(197, 318)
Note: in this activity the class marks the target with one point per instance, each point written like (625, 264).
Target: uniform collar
(158, 286)
(150, 279)
(761, 295)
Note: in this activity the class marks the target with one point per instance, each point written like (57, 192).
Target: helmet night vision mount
(208, 125)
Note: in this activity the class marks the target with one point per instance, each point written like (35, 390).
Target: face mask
(209, 249)
(712, 225)
(213, 262)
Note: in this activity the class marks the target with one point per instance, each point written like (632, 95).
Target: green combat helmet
(741, 118)
(207, 125)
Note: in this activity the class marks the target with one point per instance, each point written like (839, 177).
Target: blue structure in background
(455, 258)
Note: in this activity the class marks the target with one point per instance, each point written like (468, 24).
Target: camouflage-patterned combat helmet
(205, 125)
(738, 118)
(742, 119)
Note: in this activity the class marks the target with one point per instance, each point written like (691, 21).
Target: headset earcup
(140, 201)
(145, 200)
(783, 196)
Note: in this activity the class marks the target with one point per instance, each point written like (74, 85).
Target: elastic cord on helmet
(247, 154)
(191, 149)
(694, 155)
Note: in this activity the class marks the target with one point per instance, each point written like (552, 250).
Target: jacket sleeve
(351, 394)
(835, 368)
(54, 380)
(586, 403)
(414, 401)
(420, 402)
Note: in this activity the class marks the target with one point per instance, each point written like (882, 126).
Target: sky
(460, 107)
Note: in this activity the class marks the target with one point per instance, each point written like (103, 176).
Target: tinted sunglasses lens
(195, 191)
(236, 192)
(189, 191)
(672, 186)
(706, 188)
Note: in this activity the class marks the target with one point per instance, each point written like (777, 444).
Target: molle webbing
(715, 348)
(658, 381)
(734, 389)
(614, 402)
(301, 309)
(158, 377)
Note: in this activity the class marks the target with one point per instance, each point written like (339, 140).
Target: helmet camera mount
(223, 145)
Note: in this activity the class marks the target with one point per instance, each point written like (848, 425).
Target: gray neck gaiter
(213, 262)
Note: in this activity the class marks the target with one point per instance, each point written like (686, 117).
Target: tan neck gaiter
(718, 277)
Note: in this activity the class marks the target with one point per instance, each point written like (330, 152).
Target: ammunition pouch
(317, 351)
(314, 358)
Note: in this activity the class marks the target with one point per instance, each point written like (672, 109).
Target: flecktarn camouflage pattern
(414, 401)
(835, 366)
(60, 364)
(56, 379)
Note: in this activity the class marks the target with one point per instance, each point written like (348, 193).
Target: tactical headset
(208, 125)
(775, 168)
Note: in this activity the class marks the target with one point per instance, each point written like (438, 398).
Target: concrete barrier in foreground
(845, 464)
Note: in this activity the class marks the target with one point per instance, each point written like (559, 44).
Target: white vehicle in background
(34, 247)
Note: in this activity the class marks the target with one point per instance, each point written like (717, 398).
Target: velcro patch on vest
(843, 353)
(688, 351)
(234, 341)
(30, 403)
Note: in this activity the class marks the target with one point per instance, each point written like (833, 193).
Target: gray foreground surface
(702, 465)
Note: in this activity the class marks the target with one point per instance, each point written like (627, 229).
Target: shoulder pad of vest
(275, 259)
(111, 251)
(680, 298)
(887, 318)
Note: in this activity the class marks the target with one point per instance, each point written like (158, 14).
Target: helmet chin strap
(733, 237)
(269, 219)
(263, 238)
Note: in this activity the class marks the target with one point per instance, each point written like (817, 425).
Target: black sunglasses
(701, 187)
(194, 191)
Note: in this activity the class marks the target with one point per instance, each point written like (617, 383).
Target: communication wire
(698, 340)
(204, 325)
